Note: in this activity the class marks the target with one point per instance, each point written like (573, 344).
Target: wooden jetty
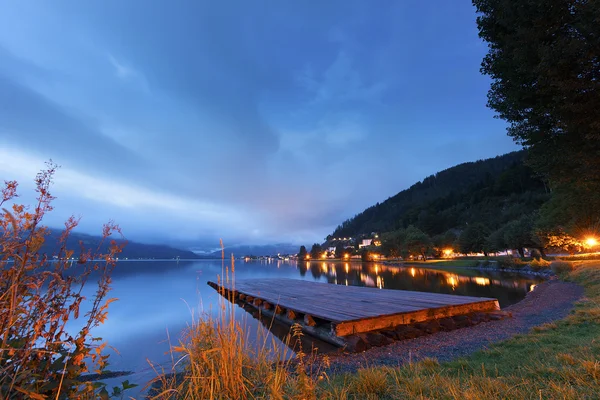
(332, 312)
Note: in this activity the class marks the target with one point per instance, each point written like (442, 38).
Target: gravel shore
(549, 301)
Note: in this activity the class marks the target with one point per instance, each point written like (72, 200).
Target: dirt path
(548, 302)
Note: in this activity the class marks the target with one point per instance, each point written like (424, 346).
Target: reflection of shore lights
(591, 242)
(452, 281)
(482, 281)
(413, 272)
(324, 267)
(347, 267)
(376, 269)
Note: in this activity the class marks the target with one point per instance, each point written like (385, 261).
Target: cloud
(207, 119)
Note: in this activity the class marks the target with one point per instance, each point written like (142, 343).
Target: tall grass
(215, 359)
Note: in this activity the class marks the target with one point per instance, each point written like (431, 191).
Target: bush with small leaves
(40, 293)
(560, 267)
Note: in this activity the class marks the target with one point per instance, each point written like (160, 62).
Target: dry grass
(539, 264)
(215, 359)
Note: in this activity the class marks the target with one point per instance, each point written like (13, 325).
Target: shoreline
(548, 302)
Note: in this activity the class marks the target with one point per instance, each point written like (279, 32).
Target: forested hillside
(492, 192)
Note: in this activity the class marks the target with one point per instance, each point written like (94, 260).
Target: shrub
(560, 267)
(535, 253)
(39, 295)
(509, 262)
(539, 264)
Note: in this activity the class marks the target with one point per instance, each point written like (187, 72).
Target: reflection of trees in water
(507, 288)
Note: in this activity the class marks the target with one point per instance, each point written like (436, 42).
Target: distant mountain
(132, 250)
(248, 250)
(492, 191)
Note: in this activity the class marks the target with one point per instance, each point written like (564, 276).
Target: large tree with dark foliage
(302, 253)
(474, 239)
(544, 60)
(316, 251)
(520, 233)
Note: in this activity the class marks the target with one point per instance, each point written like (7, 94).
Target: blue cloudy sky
(255, 121)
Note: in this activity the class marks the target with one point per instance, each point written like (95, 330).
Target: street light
(591, 242)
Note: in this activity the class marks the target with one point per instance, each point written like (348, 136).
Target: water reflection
(507, 288)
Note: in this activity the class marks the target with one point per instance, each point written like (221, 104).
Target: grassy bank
(449, 263)
(559, 360)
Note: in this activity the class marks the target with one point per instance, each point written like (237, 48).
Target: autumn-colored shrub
(539, 264)
(560, 267)
(510, 262)
(40, 293)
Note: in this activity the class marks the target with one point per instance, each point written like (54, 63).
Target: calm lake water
(157, 298)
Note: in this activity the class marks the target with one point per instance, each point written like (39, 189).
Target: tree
(560, 240)
(544, 63)
(473, 239)
(339, 251)
(302, 253)
(392, 243)
(417, 242)
(444, 241)
(316, 251)
(520, 233)
(496, 242)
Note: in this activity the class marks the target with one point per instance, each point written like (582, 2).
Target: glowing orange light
(308, 256)
(447, 252)
(346, 256)
(453, 281)
(591, 242)
(325, 255)
(413, 272)
(482, 281)
(347, 267)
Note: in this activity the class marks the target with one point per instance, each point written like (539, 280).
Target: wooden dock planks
(352, 309)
